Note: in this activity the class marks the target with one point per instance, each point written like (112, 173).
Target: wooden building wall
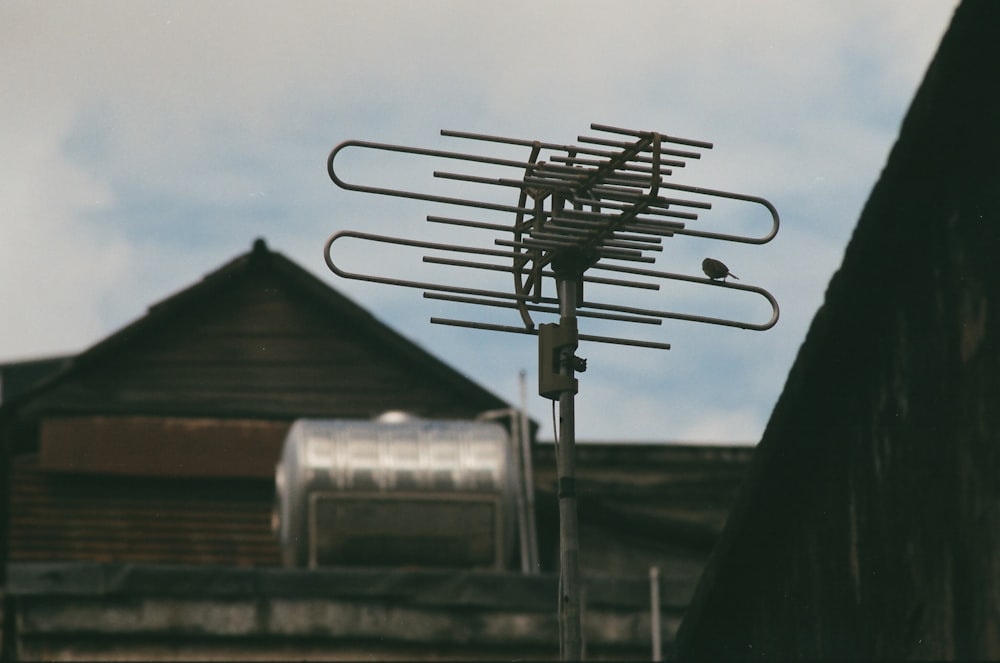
(640, 506)
(159, 443)
(257, 347)
(157, 447)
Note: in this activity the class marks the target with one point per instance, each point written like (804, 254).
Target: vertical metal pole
(529, 477)
(654, 611)
(519, 479)
(571, 640)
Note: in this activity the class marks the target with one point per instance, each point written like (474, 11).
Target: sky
(144, 144)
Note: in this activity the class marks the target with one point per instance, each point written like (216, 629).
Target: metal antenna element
(588, 213)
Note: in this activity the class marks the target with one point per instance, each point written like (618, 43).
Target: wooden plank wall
(259, 347)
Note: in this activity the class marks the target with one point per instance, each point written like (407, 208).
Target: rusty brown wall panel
(160, 446)
(182, 521)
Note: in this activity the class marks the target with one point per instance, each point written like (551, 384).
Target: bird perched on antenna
(716, 269)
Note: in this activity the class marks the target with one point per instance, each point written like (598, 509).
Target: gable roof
(20, 376)
(260, 296)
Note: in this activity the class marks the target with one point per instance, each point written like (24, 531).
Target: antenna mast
(587, 213)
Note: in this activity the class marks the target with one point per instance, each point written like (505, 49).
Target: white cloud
(57, 273)
(722, 426)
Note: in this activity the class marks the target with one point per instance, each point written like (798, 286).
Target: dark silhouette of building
(869, 527)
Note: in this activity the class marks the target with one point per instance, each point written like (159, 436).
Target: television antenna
(587, 213)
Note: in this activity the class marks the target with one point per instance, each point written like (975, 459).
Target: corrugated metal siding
(175, 521)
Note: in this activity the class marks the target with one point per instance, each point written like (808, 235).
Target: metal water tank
(396, 492)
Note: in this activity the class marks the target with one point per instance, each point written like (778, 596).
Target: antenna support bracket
(556, 359)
